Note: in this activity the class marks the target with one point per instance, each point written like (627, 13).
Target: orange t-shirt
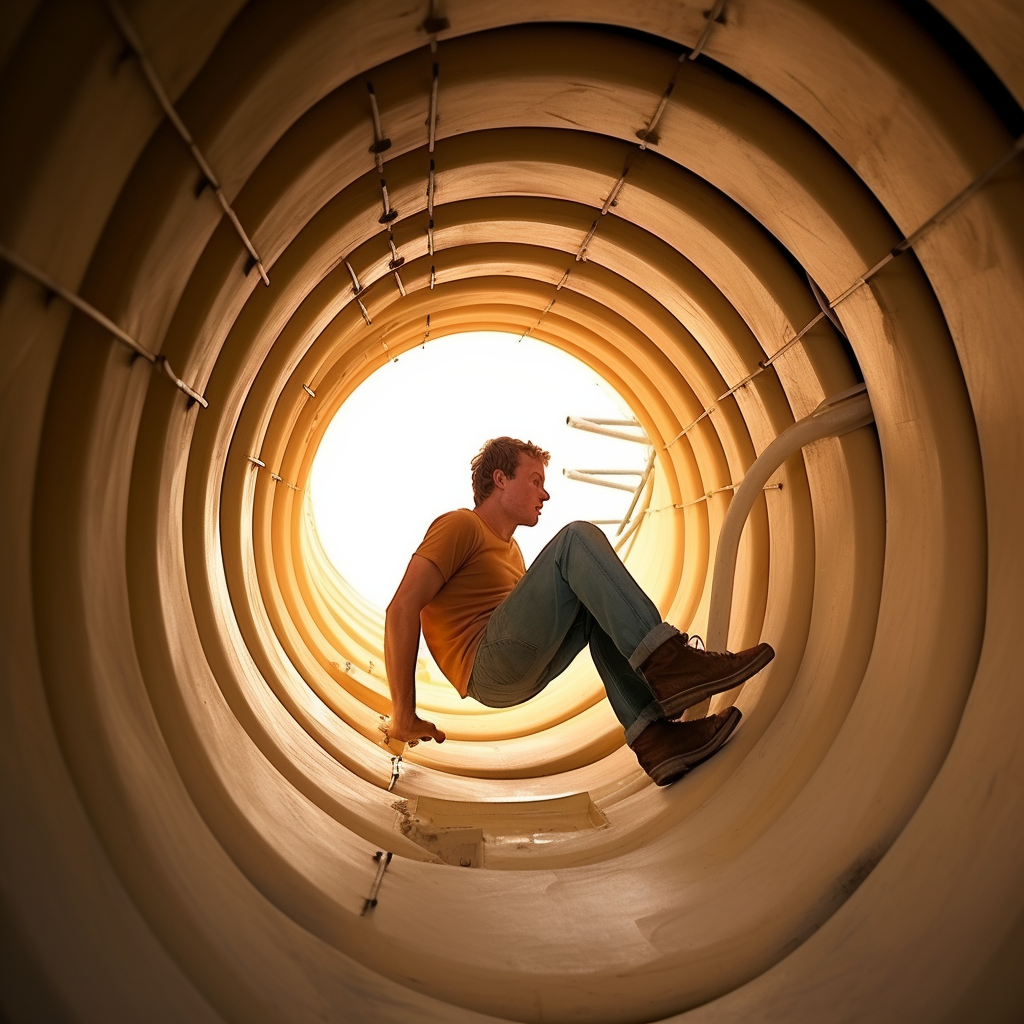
(480, 570)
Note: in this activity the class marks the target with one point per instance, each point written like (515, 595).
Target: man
(501, 633)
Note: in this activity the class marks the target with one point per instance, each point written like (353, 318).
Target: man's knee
(588, 531)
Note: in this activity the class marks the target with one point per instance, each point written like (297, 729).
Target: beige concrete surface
(194, 783)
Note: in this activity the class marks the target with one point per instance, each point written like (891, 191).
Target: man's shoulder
(452, 539)
(459, 518)
(460, 522)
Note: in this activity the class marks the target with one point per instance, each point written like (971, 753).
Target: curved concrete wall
(194, 783)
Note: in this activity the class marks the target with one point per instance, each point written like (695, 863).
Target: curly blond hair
(500, 453)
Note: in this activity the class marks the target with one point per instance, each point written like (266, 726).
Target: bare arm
(418, 588)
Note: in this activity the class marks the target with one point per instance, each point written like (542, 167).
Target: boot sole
(678, 703)
(676, 767)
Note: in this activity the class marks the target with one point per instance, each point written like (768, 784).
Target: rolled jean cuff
(651, 713)
(650, 643)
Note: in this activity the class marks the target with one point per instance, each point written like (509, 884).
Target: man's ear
(499, 479)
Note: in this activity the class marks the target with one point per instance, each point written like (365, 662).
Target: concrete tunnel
(219, 217)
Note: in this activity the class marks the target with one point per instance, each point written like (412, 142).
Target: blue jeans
(576, 592)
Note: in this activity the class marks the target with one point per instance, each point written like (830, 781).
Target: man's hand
(414, 730)
(418, 588)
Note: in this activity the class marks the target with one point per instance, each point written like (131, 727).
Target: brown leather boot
(668, 750)
(681, 676)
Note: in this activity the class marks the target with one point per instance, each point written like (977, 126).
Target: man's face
(524, 494)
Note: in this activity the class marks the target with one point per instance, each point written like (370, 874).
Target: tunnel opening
(396, 453)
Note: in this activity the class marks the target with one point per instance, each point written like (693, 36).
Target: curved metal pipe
(837, 415)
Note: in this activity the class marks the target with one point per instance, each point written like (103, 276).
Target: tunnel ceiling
(218, 218)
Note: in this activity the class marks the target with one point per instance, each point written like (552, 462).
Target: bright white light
(397, 453)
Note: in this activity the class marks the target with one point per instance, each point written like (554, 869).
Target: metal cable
(432, 115)
(703, 497)
(648, 134)
(432, 131)
(396, 258)
(381, 142)
(357, 291)
(714, 17)
(135, 44)
(51, 286)
(897, 250)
